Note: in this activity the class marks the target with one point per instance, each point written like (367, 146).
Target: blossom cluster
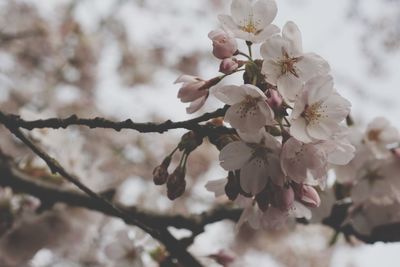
(372, 176)
(289, 118)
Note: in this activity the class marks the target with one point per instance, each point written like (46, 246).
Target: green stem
(249, 47)
(245, 55)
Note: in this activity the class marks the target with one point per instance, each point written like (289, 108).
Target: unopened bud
(228, 65)
(309, 196)
(176, 183)
(224, 43)
(275, 99)
(160, 173)
(190, 141)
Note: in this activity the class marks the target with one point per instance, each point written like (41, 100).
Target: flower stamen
(313, 113)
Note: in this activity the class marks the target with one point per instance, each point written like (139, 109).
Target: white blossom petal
(292, 33)
(289, 86)
(196, 105)
(217, 186)
(298, 210)
(271, 70)
(298, 130)
(264, 12)
(234, 155)
(241, 11)
(312, 65)
(245, 121)
(319, 88)
(228, 23)
(265, 33)
(253, 176)
(229, 94)
(272, 48)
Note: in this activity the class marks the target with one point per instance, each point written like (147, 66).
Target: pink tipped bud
(176, 183)
(309, 196)
(224, 44)
(275, 99)
(228, 65)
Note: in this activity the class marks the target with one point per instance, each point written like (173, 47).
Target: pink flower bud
(224, 44)
(309, 196)
(228, 65)
(275, 99)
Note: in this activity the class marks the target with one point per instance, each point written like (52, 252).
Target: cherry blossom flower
(272, 218)
(364, 218)
(251, 22)
(286, 66)
(378, 182)
(302, 162)
(249, 110)
(224, 43)
(348, 174)
(339, 150)
(379, 135)
(318, 111)
(257, 158)
(193, 90)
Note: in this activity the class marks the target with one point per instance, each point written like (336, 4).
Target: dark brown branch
(56, 123)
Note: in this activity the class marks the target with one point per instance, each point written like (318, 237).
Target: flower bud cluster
(175, 182)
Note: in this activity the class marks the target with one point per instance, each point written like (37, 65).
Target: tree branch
(56, 123)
